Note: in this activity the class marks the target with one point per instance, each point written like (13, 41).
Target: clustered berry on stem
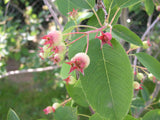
(53, 47)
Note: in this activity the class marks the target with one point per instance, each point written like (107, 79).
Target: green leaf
(83, 16)
(129, 3)
(145, 93)
(108, 81)
(109, 4)
(76, 92)
(129, 117)
(149, 5)
(137, 104)
(66, 6)
(126, 34)
(126, 3)
(84, 3)
(68, 28)
(65, 113)
(112, 13)
(150, 63)
(152, 115)
(12, 115)
(64, 71)
(96, 117)
(93, 20)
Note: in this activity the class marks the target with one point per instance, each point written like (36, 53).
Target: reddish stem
(76, 39)
(74, 33)
(85, 33)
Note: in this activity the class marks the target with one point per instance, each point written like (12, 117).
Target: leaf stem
(114, 16)
(74, 33)
(131, 50)
(84, 115)
(97, 17)
(87, 43)
(139, 67)
(87, 26)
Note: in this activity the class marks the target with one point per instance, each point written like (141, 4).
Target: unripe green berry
(72, 80)
(136, 85)
(140, 76)
(56, 105)
(145, 45)
(151, 77)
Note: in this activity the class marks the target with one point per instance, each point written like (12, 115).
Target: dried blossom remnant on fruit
(70, 80)
(53, 38)
(73, 14)
(79, 62)
(61, 48)
(137, 86)
(105, 38)
(57, 58)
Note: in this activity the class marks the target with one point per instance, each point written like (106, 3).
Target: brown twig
(18, 8)
(53, 14)
(63, 103)
(100, 4)
(143, 37)
(16, 72)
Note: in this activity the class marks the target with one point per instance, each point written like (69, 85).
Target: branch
(53, 14)
(100, 4)
(16, 72)
(143, 37)
(153, 96)
(18, 8)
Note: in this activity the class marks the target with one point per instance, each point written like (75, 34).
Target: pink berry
(158, 8)
(79, 62)
(53, 38)
(61, 48)
(48, 110)
(57, 58)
